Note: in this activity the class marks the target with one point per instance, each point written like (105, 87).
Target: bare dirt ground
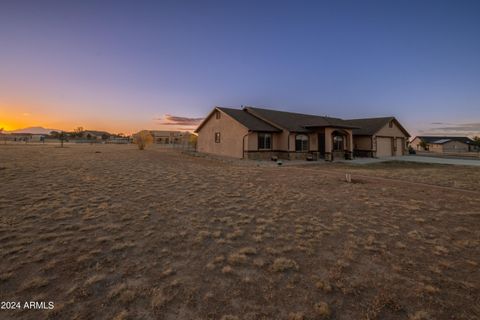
(110, 232)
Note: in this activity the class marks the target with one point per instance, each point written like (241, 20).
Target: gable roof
(249, 121)
(444, 139)
(370, 126)
(297, 122)
(96, 132)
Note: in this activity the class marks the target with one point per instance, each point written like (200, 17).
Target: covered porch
(332, 143)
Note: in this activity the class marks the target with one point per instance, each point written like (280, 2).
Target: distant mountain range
(34, 130)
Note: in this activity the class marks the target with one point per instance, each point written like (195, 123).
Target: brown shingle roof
(435, 139)
(370, 126)
(251, 122)
(297, 122)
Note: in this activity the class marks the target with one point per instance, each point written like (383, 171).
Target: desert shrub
(142, 139)
(284, 264)
(322, 309)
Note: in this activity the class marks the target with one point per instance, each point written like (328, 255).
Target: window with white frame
(301, 142)
(264, 141)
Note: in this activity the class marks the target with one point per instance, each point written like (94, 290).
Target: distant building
(441, 144)
(166, 137)
(95, 135)
(24, 137)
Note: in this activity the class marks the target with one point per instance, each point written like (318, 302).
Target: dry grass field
(111, 232)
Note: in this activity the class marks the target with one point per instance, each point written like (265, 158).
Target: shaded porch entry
(335, 143)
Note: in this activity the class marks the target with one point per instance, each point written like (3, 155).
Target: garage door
(399, 149)
(384, 147)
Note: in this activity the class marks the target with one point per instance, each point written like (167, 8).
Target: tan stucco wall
(280, 142)
(328, 139)
(362, 142)
(451, 146)
(231, 136)
(415, 143)
(313, 141)
(433, 147)
(394, 132)
(455, 146)
(251, 141)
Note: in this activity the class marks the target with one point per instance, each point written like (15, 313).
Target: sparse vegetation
(192, 238)
(284, 264)
(322, 310)
(142, 139)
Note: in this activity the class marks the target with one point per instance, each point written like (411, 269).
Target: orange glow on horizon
(15, 116)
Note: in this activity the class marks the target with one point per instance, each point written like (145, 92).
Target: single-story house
(95, 134)
(257, 133)
(166, 137)
(441, 144)
(24, 137)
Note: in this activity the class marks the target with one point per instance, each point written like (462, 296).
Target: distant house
(166, 137)
(24, 137)
(95, 135)
(441, 144)
(257, 133)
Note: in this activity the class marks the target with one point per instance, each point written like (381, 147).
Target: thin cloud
(460, 127)
(170, 120)
(465, 129)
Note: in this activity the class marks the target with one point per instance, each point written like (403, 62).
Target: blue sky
(130, 65)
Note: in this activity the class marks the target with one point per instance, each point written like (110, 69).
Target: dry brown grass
(322, 310)
(181, 237)
(284, 264)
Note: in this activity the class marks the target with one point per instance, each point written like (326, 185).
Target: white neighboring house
(23, 137)
(95, 135)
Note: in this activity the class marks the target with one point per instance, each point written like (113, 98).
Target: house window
(264, 141)
(301, 142)
(217, 114)
(390, 124)
(217, 137)
(337, 142)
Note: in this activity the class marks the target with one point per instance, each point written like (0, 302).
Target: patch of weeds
(284, 264)
(227, 270)
(237, 258)
(296, 316)
(322, 310)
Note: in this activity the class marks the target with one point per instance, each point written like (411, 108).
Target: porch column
(349, 153)
(328, 144)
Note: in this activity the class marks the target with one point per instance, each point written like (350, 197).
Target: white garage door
(399, 150)
(384, 147)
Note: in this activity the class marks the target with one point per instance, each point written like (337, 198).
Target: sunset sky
(123, 66)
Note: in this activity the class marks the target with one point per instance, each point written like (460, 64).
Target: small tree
(62, 136)
(78, 133)
(424, 145)
(4, 138)
(142, 139)
(476, 142)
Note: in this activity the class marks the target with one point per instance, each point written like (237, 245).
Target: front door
(321, 144)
